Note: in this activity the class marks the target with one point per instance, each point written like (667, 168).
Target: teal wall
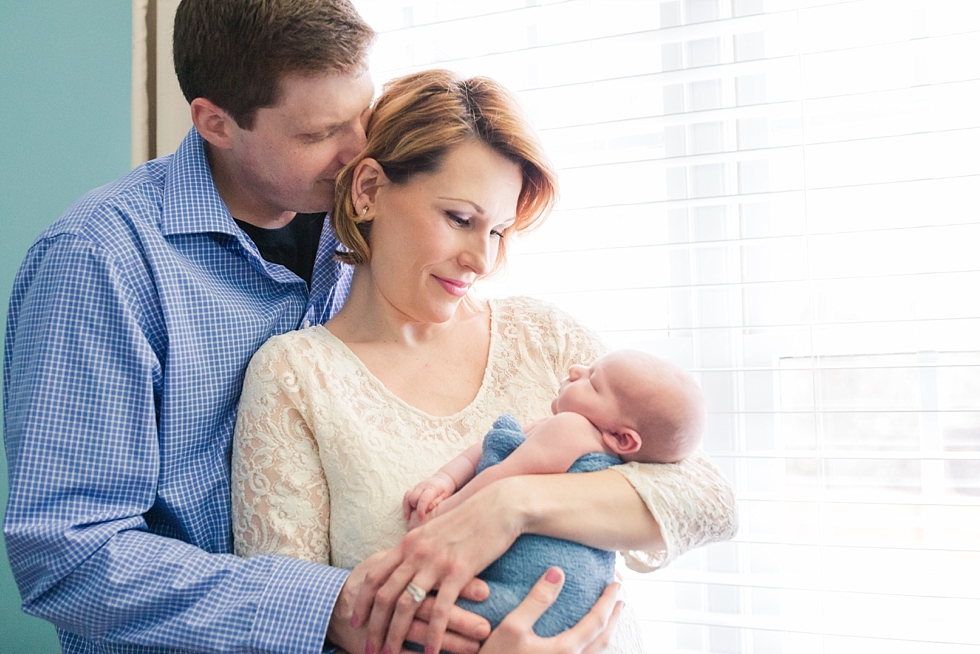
(65, 75)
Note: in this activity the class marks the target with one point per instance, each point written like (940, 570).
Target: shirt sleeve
(692, 501)
(80, 429)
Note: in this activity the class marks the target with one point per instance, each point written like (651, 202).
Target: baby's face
(591, 391)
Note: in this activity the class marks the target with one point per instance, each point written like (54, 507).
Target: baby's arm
(552, 446)
(428, 493)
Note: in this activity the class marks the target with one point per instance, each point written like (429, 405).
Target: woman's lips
(452, 286)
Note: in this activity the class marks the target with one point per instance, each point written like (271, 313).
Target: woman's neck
(367, 317)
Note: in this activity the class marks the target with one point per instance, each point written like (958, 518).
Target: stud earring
(364, 211)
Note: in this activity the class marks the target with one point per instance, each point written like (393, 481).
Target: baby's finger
(425, 501)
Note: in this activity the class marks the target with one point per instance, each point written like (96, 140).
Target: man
(132, 320)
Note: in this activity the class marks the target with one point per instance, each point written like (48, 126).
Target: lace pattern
(323, 451)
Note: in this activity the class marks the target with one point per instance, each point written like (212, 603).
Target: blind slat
(781, 196)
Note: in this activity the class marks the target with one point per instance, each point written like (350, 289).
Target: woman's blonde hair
(414, 124)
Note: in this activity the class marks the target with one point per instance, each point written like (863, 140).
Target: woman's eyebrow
(478, 208)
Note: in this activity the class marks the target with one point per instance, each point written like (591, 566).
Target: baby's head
(646, 408)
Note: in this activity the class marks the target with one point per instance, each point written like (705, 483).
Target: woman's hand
(445, 553)
(465, 630)
(515, 634)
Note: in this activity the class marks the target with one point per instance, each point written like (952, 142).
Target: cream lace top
(324, 452)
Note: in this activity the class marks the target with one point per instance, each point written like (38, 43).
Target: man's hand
(591, 635)
(464, 633)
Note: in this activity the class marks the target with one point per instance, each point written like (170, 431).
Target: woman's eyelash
(465, 222)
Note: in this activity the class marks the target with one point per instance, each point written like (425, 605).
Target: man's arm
(81, 434)
(552, 446)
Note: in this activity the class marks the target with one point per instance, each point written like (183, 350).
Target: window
(783, 196)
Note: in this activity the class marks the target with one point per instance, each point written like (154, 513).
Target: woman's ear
(625, 441)
(212, 122)
(368, 177)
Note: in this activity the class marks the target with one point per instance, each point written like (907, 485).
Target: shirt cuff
(295, 609)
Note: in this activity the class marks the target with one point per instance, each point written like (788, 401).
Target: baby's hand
(426, 496)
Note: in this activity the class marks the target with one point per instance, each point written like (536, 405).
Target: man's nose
(355, 142)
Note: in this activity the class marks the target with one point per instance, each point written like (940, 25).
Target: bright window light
(783, 196)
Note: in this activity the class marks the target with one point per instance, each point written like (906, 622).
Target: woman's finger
(543, 594)
(439, 620)
(391, 602)
(516, 632)
(605, 636)
(403, 613)
(376, 575)
(595, 623)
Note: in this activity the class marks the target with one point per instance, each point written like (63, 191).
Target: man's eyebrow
(478, 208)
(324, 128)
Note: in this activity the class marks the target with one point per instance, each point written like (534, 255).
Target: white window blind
(783, 196)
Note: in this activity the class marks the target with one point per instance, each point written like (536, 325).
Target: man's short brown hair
(236, 52)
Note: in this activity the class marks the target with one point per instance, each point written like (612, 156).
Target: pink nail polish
(369, 649)
(553, 576)
(386, 650)
(354, 621)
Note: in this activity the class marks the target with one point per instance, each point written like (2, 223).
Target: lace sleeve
(692, 502)
(280, 498)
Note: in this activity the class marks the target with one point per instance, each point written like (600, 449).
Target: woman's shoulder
(540, 324)
(298, 347)
(521, 309)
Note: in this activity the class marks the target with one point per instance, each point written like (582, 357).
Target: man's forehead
(324, 97)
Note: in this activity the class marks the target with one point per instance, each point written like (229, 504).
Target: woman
(337, 421)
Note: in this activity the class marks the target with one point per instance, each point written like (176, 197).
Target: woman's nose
(479, 253)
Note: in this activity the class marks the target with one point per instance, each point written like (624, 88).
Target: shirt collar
(191, 203)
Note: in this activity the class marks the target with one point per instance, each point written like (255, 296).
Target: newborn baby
(627, 406)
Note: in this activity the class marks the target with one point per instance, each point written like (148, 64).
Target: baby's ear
(624, 441)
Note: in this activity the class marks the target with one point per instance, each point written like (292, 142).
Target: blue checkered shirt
(131, 322)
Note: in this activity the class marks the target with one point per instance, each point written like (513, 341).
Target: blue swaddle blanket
(587, 570)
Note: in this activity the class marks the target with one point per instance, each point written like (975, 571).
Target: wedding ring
(415, 592)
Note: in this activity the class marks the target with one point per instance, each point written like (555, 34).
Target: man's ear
(212, 122)
(368, 177)
(624, 441)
